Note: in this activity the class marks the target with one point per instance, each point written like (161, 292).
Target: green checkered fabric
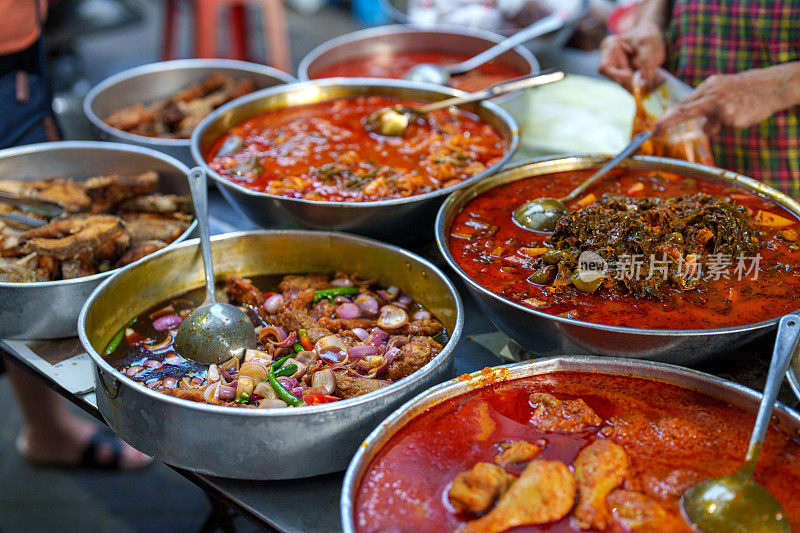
(707, 37)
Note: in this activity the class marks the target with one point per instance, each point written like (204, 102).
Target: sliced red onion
(288, 341)
(342, 282)
(391, 353)
(276, 332)
(333, 357)
(287, 382)
(226, 392)
(166, 322)
(363, 350)
(397, 341)
(377, 337)
(273, 303)
(153, 383)
(133, 370)
(348, 311)
(368, 304)
(196, 381)
(173, 360)
(324, 380)
(361, 333)
(392, 317)
(421, 315)
(224, 373)
(152, 363)
(403, 301)
(341, 299)
(169, 382)
(305, 357)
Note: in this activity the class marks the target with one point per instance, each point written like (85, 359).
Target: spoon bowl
(214, 332)
(736, 503)
(393, 121)
(542, 214)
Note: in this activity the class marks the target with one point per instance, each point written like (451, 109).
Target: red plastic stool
(206, 23)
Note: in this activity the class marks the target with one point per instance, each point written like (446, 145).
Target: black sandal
(89, 458)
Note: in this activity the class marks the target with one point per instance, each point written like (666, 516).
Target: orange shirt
(19, 27)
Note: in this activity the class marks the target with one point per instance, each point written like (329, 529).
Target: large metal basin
(402, 219)
(545, 334)
(727, 391)
(49, 309)
(257, 443)
(160, 80)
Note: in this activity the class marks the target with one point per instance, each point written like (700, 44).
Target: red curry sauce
(494, 260)
(397, 64)
(674, 438)
(322, 152)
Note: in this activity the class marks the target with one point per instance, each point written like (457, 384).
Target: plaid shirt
(707, 37)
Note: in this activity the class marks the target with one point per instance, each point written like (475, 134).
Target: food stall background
(89, 40)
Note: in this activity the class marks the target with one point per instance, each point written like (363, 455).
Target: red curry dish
(321, 151)
(565, 452)
(397, 64)
(675, 239)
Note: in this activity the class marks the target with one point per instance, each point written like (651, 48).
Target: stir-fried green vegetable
(118, 337)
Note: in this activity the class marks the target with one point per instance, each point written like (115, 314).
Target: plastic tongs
(43, 208)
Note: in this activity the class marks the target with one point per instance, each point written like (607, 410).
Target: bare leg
(52, 432)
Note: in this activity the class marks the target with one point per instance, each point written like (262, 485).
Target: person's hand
(735, 100)
(640, 48)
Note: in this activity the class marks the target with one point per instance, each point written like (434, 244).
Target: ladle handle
(786, 343)
(541, 27)
(634, 145)
(197, 184)
(495, 90)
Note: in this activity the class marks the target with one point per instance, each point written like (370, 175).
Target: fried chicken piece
(242, 292)
(157, 203)
(291, 319)
(21, 270)
(518, 451)
(418, 327)
(600, 467)
(413, 356)
(544, 492)
(143, 227)
(68, 238)
(131, 117)
(138, 252)
(637, 513)
(108, 191)
(348, 386)
(475, 490)
(299, 282)
(561, 416)
(77, 268)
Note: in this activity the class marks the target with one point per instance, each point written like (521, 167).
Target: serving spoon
(736, 503)
(214, 332)
(393, 121)
(441, 74)
(542, 214)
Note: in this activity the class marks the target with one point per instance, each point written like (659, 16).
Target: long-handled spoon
(393, 121)
(430, 73)
(736, 503)
(542, 214)
(214, 332)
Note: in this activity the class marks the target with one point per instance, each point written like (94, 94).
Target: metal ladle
(441, 74)
(393, 121)
(214, 332)
(736, 503)
(542, 214)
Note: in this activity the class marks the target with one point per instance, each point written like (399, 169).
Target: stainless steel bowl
(397, 219)
(385, 40)
(160, 80)
(545, 334)
(727, 391)
(257, 443)
(49, 309)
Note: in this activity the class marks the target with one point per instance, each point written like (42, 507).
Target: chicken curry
(565, 452)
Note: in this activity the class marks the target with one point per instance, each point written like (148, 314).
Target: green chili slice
(118, 338)
(333, 292)
(287, 370)
(277, 364)
(297, 347)
(281, 391)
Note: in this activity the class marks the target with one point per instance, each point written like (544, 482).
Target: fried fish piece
(143, 227)
(73, 237)
(108, 191)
